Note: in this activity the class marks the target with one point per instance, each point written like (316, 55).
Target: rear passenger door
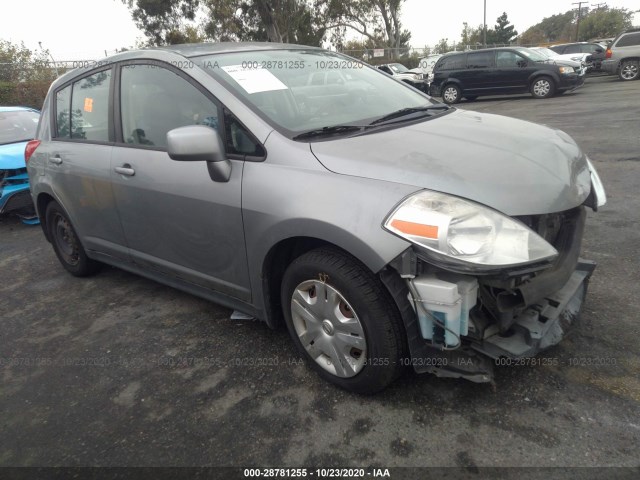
(176, 219)
(78, 160)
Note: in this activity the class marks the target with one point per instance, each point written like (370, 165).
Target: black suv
(502, 71)
(596, 51)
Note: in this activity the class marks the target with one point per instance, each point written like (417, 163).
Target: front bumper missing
(538, 327)
(542, 325)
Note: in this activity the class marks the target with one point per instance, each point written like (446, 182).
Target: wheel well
(628, 59)
(541, 75)
(43, 200)
(274, 266)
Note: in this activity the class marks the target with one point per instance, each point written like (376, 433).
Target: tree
(442, 46)
(604, 22)
(378, 20)
(503, 31)
(473, 36)
(163, 21)
(289, 21)
(601, 22)
(25, 75)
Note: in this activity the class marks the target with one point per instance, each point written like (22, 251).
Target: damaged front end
(459, 323)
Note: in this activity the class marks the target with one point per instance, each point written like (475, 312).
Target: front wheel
(66, 243)
(343, 320)
(451, 94)
(542, 87)
(629, 70)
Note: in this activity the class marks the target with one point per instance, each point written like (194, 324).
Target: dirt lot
(117, 370)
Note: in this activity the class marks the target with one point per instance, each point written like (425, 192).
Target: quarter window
(63, 106)
(454, 62)
(629, 40)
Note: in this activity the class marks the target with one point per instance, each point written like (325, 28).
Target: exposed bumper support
(541, 325)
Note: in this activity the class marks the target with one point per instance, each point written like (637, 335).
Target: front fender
(282, 202)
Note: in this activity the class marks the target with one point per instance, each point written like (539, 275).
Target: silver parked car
(384, 229)
(623, 56)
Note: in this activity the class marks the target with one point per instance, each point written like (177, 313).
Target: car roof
(197, 49)
(18, 109)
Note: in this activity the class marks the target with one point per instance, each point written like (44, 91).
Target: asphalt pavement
(116, 370)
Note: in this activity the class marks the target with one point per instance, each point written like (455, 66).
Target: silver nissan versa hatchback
(384, 229)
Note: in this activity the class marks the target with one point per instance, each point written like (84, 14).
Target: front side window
(154, 100)
(480, 60)
(90, 108)
(510, 60)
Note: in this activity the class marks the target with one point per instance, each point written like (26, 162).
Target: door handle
(55, 159)
(125, 170)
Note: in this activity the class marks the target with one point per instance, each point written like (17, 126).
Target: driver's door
(177, 221)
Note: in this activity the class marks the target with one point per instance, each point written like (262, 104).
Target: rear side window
(90, 108)
(480, 60)
(82, 109)
(454, 62)
(629, 40)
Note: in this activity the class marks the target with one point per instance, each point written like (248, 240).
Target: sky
(86, 29)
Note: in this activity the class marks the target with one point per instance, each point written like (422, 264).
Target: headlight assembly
(466, 233)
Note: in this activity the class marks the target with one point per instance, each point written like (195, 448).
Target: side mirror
(199, 143)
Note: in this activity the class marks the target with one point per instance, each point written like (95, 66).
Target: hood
(12, 156)
(516, 167)
(566, 62)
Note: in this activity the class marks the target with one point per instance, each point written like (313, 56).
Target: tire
(343, 321)
(543, 87)
(66, 243)
(471, 98)
(451, 94)
(629, 70)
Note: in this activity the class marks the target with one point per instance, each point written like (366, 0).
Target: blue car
(17, 126)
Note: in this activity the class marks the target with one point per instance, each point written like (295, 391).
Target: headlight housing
(466, 233)
(566, 70)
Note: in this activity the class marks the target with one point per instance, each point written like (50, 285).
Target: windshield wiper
(408, 111)
(336, 129)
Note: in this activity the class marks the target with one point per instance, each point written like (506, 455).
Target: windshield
(532, 54)
(302, 90)
(18, 126)
(398, 67)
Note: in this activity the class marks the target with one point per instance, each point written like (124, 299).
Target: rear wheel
(66, 243)
(451, 94)
(343, 320)
(543, 87)
(629, 70)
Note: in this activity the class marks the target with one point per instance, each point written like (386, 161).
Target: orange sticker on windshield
(88, 104)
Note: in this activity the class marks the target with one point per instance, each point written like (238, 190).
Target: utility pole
(484, 30)
(598, 6)
(579, 16)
